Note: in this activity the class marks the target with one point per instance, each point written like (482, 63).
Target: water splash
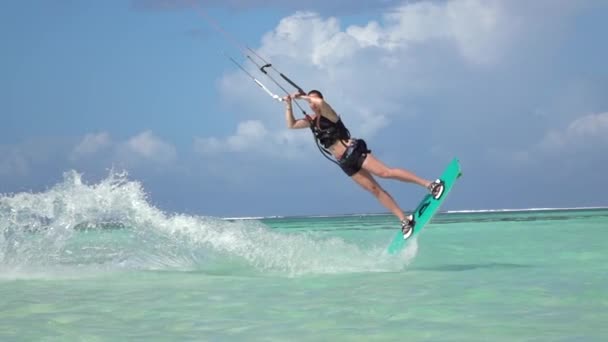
(112, 226)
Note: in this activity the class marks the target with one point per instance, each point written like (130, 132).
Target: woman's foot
(436, 188)
(407, 226)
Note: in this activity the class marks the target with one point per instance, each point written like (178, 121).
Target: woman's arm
(325, 109)
(311, 99)
(292, 123)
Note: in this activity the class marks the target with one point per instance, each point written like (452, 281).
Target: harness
(328, 133)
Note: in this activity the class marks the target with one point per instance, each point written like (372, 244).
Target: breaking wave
(109, 226)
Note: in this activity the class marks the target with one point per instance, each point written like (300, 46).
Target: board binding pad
(428, 207)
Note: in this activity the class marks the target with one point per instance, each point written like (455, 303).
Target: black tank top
(328, 132)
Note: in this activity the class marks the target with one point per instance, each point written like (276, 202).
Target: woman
(353, 156)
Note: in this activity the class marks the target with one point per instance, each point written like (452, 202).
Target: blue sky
(515, 89)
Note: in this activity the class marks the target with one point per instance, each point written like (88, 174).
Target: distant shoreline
(467, 211)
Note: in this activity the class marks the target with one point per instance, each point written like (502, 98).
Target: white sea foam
(69, 226)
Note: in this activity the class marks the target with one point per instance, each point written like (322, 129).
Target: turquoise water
(99, 263)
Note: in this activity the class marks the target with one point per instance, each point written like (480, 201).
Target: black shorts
(352, 159)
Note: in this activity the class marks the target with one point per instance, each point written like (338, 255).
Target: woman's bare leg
(367, 181)
(376, 167)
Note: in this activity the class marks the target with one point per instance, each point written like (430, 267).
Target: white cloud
(207, 146)
(253, 136)
(479, 29)
(587, 131)
(248, 135)
(583, 138)
(91, 144)
(150, 147)
(144, 146)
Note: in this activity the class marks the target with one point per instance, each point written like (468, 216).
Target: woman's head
(313, 104)
(315, 93)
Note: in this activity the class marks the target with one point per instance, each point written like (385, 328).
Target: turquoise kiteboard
(427, 208)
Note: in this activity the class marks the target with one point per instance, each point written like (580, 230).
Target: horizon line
(464, 211)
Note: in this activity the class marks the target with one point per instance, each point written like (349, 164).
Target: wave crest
(111, 225)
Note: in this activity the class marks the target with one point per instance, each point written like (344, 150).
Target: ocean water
(97, 262)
